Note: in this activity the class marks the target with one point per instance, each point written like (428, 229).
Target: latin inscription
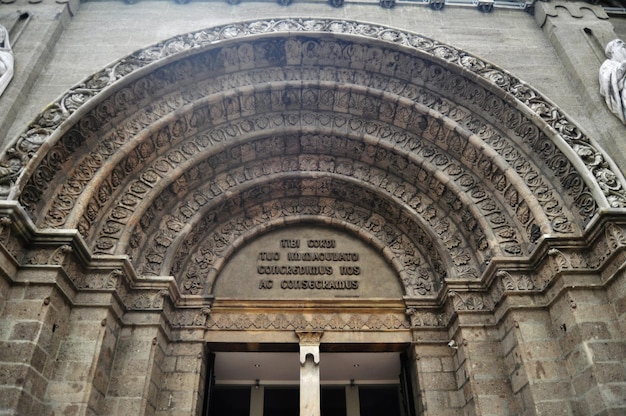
(308, 264)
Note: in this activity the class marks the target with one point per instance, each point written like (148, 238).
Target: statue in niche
(6, 59)
(612, 78)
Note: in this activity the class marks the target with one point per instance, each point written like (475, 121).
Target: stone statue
(612, 78)
(6, 59)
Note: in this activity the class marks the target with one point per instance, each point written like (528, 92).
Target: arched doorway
(416, 175)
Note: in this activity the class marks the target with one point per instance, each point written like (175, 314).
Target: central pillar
(309, 372)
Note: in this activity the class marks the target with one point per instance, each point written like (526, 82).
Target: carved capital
(310, 337)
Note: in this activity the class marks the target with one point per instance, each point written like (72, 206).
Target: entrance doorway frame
(406, 367)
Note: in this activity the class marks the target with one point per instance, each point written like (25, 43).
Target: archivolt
(454, 154)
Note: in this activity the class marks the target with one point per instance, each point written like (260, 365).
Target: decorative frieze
(306, 322)
(435, 77)
(99, 280)
(51, 257)
(420, 318)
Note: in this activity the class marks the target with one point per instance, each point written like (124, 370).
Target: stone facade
(469, 155)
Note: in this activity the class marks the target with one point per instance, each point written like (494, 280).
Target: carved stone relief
(521, 282)
(44, 256)
(6, 237)
(6, 59)
(492, 104)
(419, 318)
(208, 195)
(614, 239)
(99, 281)
(450, 170)
(62, 204)
(187, 317)
(162, 172)
(296, 321)
(201, 256)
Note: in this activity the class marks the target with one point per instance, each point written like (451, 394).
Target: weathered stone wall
(61, 45)
(101, 32)
(84, 334)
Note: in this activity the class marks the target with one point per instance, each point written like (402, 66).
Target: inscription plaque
(307, 262)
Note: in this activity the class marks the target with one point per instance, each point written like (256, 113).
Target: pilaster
(82, 368)
(436, 381)
(480, 369)
(183, 371)
(579, 32)
(30, 333)
(594, 350)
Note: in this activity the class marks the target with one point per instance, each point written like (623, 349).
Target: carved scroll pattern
(78, 182)
(202, 252)
(396, 187)
(592, 156)
(189, 125)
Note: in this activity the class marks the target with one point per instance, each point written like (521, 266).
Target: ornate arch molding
(445, 134)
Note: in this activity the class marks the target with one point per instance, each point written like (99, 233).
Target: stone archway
(171, 159)
(473, 162)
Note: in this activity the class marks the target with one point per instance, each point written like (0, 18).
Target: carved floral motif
(420, 318)
(461, 152)
(56, 257)
(612, 188)
(515, 282)
(470, 301)
(97, 281)
(143, 300)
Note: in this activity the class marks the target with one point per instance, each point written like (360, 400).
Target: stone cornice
(559, 266)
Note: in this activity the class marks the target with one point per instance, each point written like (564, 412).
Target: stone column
(309, 373)
(31, 327)
(182, 384)
(353, 406)
(257, 400)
